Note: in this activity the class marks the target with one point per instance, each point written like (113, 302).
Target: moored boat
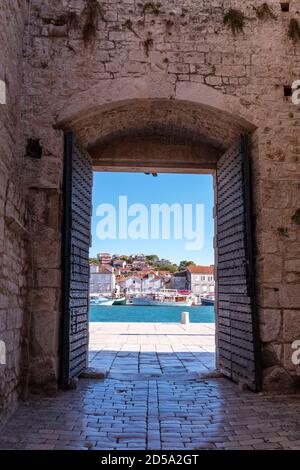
(99, 300)
(120, 301)
(163, 298)
(208, 300)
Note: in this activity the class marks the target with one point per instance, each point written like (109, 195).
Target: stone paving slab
(154, 398)
(148, 350)
(187, 415)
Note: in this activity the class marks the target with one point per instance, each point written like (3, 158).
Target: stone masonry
(14, 224)
(141, 76)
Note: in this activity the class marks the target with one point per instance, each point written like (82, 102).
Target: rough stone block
(270, 325)
(277, 379)
(289, 296)
(291, 325)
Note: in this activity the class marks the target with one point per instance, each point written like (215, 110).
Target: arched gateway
(164, 134)
(174, 82)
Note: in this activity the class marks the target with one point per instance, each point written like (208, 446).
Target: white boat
(98, 300)
(163, 298)
(208, 300)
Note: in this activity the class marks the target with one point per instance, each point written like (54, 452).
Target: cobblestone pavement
(203, 414)
(154, 413)
(152, 349)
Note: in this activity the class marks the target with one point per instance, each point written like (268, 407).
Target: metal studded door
(237, 329)
(78, 179)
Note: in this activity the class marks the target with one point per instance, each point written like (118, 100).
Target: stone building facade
(179, 281)
(141, 78)
(102, 280)
(201, 280)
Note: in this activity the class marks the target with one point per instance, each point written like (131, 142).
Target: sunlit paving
(153, 350)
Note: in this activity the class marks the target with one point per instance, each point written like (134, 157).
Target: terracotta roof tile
(201, 269)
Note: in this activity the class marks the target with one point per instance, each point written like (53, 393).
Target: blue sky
(147, 190)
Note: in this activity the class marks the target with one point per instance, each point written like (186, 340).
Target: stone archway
(54, 81)
(196, 135)
(112, 119)
(104, 120)
(155, 86)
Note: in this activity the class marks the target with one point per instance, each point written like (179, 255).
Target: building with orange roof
(204, 270)
(201, 280)
(102, 279)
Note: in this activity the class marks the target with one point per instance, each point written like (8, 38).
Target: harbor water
(157, 314)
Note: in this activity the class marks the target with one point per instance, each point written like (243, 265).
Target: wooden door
(237, 325)
(78, 180)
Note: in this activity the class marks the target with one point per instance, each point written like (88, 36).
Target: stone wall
(13, 213)
(171, 52)
(136, 68)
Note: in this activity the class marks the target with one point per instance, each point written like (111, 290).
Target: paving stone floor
(154, 413)
(152, 349)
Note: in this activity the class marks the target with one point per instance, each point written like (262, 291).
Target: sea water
(130, 313)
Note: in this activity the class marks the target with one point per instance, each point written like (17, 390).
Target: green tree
(93, 260)
(185, 264)
(171, 268)
(152, 259)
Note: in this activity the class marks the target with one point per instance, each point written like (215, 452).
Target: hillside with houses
(120, 275)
